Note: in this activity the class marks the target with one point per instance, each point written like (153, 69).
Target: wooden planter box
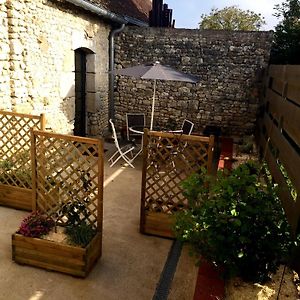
(16, 197)
(157, 223)
(55, 256)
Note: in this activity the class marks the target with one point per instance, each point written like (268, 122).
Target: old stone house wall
(37, 42)
(229, 66)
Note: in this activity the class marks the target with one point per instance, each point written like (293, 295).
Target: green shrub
(81, 234)
(239, 223)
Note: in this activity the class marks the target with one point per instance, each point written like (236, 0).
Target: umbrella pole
(153, 104)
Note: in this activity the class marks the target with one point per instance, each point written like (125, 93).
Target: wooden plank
(93, 251)
(16, 197)
(183, 137)
(144, 175)
(291, 120)
(276, 71)
(42, 255)
(210, 154)
(48, 266)
(292, 74)
(100, 185)
(293, 92)
(159, 224)
(42, 122)
(33, 170)
(279, 85)
(284, 194)
(20, 115)
(287, 155)
(287, 112)
(274, 103)
(71, 138)
(52, 247)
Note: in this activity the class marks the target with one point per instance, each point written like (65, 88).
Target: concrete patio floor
(131, 263)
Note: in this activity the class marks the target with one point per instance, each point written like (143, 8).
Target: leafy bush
(236, 221)
(36, 225)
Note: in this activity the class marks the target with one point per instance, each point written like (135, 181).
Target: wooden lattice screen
(68, 173)
(15, 160)
(168, 160)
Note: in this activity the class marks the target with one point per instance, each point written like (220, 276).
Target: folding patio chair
(186, 128)
(122, 152)
(137, 122)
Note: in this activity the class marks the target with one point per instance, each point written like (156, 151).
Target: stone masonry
(229, 66)
(37, 43)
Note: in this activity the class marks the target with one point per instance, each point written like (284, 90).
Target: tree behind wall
(286, 46)
(231, 18)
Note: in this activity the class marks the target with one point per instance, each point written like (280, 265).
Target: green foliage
(232, 18)
(81, 234)
(286, 46)
(241, 226)
(16, 170)
(78, 229)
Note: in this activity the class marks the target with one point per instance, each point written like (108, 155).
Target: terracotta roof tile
(138, 9)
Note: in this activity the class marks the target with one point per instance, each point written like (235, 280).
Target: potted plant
(235, 221)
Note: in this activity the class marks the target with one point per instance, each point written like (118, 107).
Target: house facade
(55, 57)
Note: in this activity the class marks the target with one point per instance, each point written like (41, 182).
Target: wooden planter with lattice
(75, 192)
(15, 160)
(168, 159)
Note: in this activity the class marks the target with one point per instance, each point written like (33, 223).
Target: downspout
(111, 111)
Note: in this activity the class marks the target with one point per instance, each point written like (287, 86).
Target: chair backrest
(136, 120)
(187, 127)
(115, 137)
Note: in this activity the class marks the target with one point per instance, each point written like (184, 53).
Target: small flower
(36, 225)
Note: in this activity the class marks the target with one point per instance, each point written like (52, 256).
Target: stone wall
(37, 43)
(229, 66)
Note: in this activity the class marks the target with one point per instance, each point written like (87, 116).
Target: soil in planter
(237, 289)
(57, 235)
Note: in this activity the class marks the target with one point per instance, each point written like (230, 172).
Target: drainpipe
(111, 111)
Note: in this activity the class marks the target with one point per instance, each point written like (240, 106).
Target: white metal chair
(186, 128)
(122, 152)
(137, 122)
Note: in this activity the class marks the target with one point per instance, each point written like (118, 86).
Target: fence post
(33, 168)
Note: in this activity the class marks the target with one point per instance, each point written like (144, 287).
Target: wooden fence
(15, 160)
(168, 159)
(279, 135)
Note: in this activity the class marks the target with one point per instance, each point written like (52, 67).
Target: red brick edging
(210, 285)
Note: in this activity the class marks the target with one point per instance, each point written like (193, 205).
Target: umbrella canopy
(156, 71)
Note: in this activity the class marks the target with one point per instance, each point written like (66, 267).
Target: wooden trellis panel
(68, 170)
(168, 160)
(68, 173)
(15, 159)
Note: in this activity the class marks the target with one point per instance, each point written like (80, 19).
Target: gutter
(104, 13)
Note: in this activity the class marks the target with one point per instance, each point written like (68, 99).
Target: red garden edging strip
(210, 285)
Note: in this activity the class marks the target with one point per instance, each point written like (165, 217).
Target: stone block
(92, 102)
(90, 82)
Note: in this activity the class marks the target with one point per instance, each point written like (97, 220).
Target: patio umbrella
(156, 71)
